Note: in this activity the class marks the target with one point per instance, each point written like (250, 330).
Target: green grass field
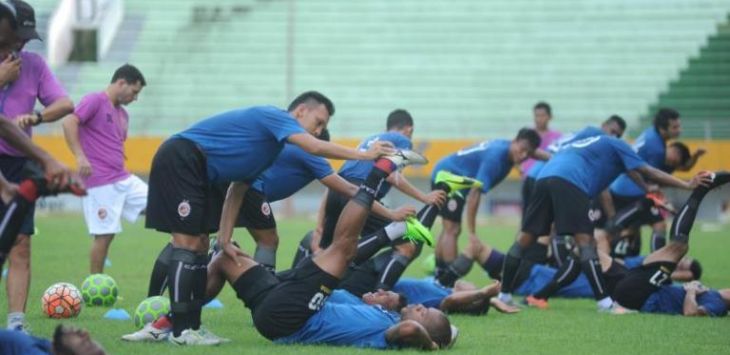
(60, 253)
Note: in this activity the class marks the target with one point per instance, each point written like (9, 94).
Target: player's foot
(212, 337)
(719, 178)
(417, 232)
(660, 201)
(454, 336)
(193, 337)
(20, 327)
(616, 309)
(403, 158)
(148, 333)
(456, 182)
(535, 302)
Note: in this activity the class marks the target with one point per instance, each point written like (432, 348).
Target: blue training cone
(117, 314)
(214, 304)
(107, 262)
(5, 273)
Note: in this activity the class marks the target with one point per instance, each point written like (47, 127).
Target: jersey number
(317, 301)
(477, 148)
(585, 142)
(659, 278)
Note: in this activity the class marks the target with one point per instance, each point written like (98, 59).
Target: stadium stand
(480, 63)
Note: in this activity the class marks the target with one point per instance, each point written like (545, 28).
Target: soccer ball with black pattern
(62, 300)
(150, 310)
(99, 290)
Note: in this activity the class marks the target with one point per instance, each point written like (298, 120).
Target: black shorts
(256, 212)
(454, 206)
(334, 205)
(528, 187)
(15, 169)
(647, 215)
(626, 247)
(360, 279)
(640, 283)
(557, 200)
(283, 309)
(615, 273)
(180, 198)
(597, 215)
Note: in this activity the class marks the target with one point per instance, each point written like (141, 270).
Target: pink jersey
(547, 138)
(102, 132)
(36, 81)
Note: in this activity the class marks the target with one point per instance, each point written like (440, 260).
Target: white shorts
(104, 206)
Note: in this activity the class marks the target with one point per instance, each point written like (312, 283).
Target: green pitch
(60, 253)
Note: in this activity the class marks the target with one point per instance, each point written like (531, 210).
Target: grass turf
(60, 253)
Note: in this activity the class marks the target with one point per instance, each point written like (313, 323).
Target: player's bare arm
(665, 179)
(338, 184)
(436, 197)
(312, 145)
(472, 206)
(540, 154)
(71, 133)
(231, 207)
(51, 113)
(690, 307)
(693, 160)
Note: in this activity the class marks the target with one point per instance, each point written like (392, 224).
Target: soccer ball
(99, 290)
(150, 310)
(61, 300)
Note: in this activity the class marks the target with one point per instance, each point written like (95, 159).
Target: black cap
(24, 17)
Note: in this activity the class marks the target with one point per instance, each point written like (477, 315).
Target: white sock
(395, 230)
(505, 297)
(605, 303)
(15, 319)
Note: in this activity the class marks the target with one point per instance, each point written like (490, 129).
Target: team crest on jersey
(266, 209)
(183, 209)
(451, 205)
(101, 213)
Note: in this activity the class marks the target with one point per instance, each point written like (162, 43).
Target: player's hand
(653, 188)
(380, 148)
(700, 152)
(230, 249)
(8, 191)
(27, 120)
(402, 213)
(9, 70)
(84, 167)
(436, 197)
(434, 346)
(503, 307)
(57, 174)
(696, 287)
(703, 178)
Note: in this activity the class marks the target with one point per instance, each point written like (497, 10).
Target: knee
(21, 251)
(524, 240)
(588, 252)
(516, 250)
(409, 250)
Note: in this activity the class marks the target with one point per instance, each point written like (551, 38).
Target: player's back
(292, 170)
(651, 147)
(488, 158)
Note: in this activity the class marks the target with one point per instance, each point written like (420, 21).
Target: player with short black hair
(542, 115)
(66, 341)
(488, 162)
(130, 74)
(234, 146)
(399, 119)
(578, 173)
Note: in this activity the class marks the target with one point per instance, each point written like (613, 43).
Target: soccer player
(234, 146)
(66, 341)
(563, 191)
(651, 146)
(399, 131)
(542, 114)
(648, 288)
(96, 132)
(293, 170)
(21, 90)
(489, 162)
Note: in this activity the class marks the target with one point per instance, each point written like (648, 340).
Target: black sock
(560, 249)
(685, 218)
(393, 271)
(568, 272)
(368, 246)
(182, 274)
(441, 265)
(266, 257)
(658, 240)
(456, 270)
(427, 215)
(493, 264)
(158, 278)
(511, 265)
(370, 188)
(303, 250)
(592, 270)
(199, 286)
(13, 216)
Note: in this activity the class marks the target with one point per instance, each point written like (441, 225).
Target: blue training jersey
(541, 275)
(13, 342)
(361, 326)
(359, 169)
(488, 162)
(344, 297)
(242, 143)
(422, 291)
(653, 149)
(555, 147)
(670, 300)
(291, 171)
(592, 163)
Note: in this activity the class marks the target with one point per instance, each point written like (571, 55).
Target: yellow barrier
(140, 150)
